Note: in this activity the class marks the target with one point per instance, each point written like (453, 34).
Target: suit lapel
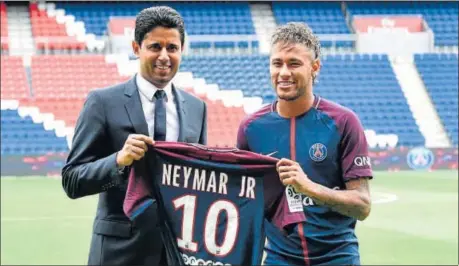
(133, 107)
(180, 103)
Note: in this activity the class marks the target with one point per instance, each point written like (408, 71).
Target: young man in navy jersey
(324, 159)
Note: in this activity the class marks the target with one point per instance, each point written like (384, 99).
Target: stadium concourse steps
(442, 86)
(45, 26)
(441, 17)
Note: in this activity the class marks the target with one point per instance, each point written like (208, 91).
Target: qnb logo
(307, 201)
(362, 161)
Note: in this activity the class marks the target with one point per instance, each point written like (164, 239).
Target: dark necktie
(160, 115)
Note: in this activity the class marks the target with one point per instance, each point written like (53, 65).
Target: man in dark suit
(114, 129)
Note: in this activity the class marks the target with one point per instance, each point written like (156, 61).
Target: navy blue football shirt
(215, 200)
(329, 143)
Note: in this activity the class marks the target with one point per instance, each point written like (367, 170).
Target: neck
(295, 108)
(158, 85)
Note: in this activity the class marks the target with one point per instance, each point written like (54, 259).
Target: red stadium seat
(4, 26)
(13, 78)
(44, 26)
(61, 82)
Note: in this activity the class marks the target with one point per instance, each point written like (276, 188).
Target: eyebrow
(153, 44)
(291, 60)
(158, 44)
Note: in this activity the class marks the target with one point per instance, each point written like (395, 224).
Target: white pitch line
(384, 198)
(44, 218)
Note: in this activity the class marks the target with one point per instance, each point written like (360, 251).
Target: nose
(163, 56)
(284, 71)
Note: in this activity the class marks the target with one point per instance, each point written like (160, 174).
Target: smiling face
(160, 54)
(292, 68)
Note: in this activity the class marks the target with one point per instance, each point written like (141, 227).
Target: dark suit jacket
(109, 115)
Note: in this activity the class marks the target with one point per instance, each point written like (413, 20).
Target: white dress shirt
(147, 98)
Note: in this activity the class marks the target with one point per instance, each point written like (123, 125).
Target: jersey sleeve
(242, 143)
(138, 200)
(355, 160)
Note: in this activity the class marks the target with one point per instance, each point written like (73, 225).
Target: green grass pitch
(414, 220)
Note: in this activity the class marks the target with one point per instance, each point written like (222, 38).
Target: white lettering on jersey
(167, 169)
(250, 191)
(223, 181)
(199, 181)
(362, 161)
(208, 181)
(187, 172)
(247, 187)
(176, 176)
(211, 225)
(211, 185)
(307, 201)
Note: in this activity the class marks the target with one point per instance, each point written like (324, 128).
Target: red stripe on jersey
(292, 139)
(303, 244)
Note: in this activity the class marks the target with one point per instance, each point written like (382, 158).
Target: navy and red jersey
(215, 200)
(329, 143)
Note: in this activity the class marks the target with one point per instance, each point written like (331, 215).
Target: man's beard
(299, 92)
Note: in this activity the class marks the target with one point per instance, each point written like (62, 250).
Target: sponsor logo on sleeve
(362, 161)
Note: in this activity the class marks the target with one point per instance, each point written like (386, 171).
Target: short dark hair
(297, 32)
(158, 16)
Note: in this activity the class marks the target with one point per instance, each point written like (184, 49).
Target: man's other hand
(291, 173)
(133, 150)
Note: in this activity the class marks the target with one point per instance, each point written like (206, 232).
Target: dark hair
(297, 32)
(153, 17)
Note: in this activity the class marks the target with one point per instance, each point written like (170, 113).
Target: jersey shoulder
(261, 112)
(341, 115)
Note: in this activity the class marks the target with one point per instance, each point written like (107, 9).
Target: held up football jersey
(214, 200)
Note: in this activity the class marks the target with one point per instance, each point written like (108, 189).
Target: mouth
(162, 67)
(285, 84)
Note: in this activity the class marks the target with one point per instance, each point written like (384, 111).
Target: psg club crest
(318, 152)
(420, 158)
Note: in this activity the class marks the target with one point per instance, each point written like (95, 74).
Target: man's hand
(291, 173)
(134, 149)
(354, 201)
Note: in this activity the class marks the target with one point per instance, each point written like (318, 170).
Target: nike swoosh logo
(272, 153)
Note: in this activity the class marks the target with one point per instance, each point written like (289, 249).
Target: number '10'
(188, 202)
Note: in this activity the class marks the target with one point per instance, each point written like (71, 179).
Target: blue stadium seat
(322, 17)
(356, 81)
(200, 17)
(21, 136)
(442, 87)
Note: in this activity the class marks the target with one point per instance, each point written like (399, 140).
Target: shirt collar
(149, 90)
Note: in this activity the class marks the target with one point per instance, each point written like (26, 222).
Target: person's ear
(135, 48)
